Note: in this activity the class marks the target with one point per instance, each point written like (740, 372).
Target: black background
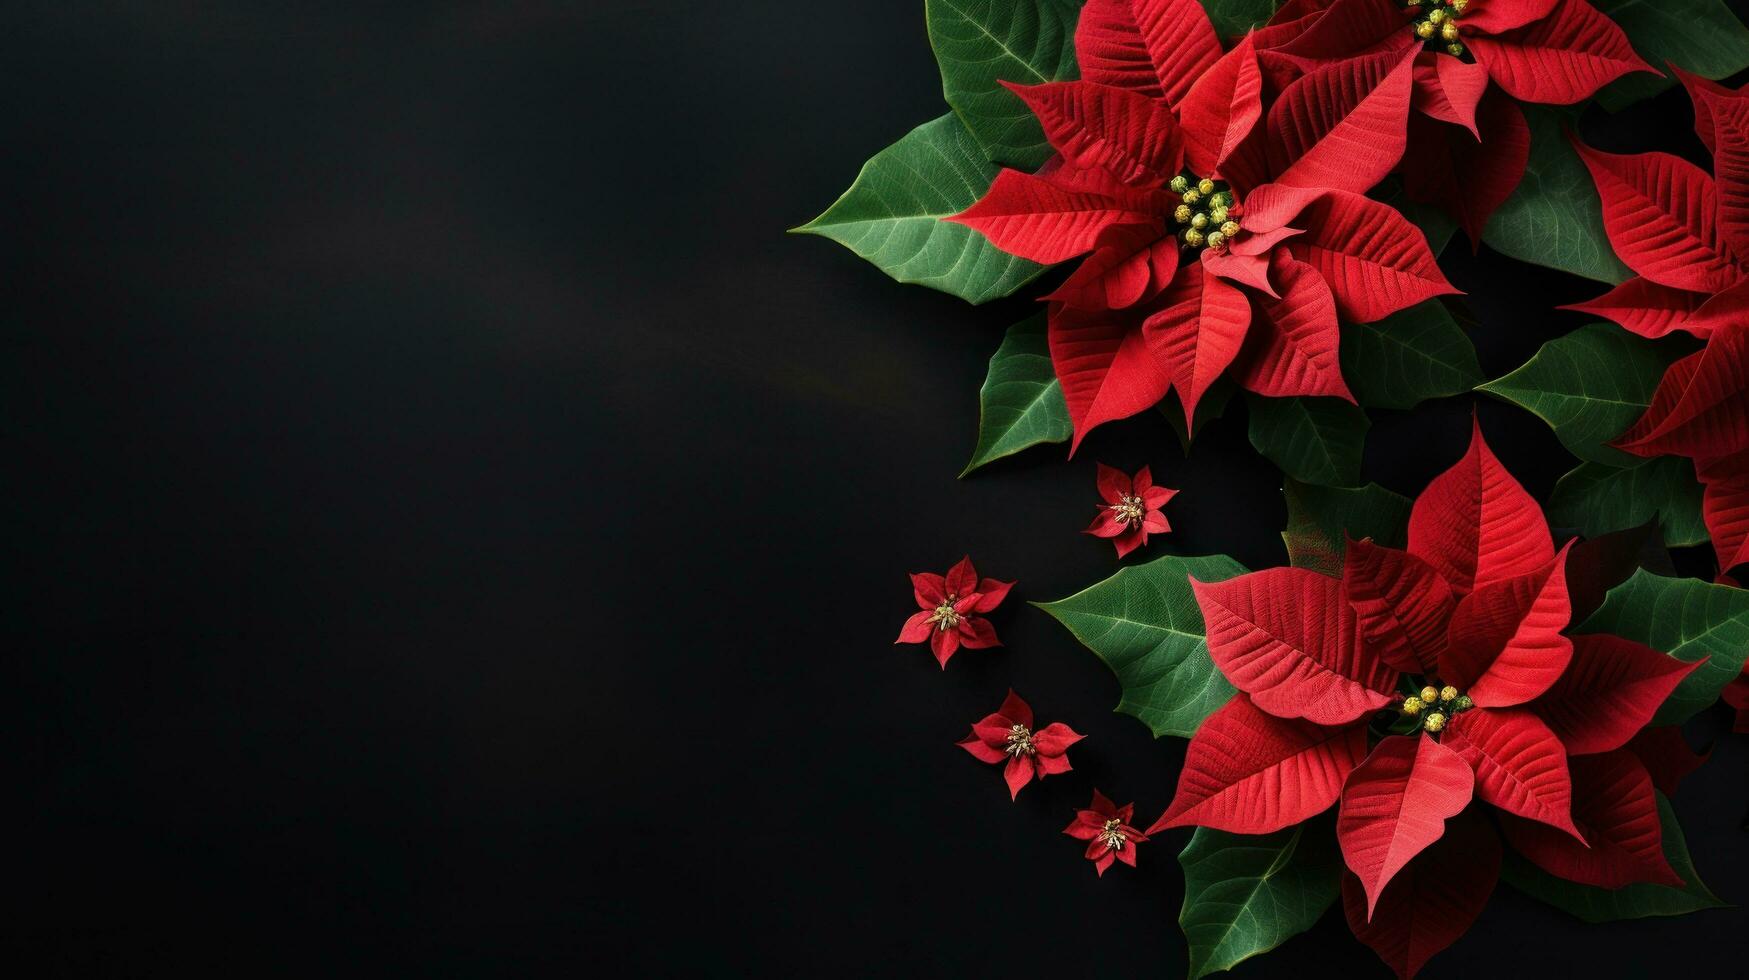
(456, 531)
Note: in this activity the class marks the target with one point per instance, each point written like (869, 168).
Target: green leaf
(1637, 901)
(981, 43)
(1701, 36)
(1409, 357)
(1232, 18)
(1589, 386)
(892, 215)
(1555, 218)
(1021, 403)
(1246, 895)
(1145, 624)
(1319, 517)
(1598, 499)
(1688, 619)
(1315, 440)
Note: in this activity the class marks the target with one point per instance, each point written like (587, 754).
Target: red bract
(1468, 622)
(1207, 248)
(1686, 234)
(1007, 737)
(1106, 829)
(1737, 696)
(1472, 59)
(1132, 508)
(953, 606)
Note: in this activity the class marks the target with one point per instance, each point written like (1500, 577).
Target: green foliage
(1318, 518)
(1598, 499)
(1409, 357)
(1687, 619)
(981, 43)
(1232, 18)
(1315, 440)
(1701, 36)
(1555, 218)
(1021, 403)
(1246, 895)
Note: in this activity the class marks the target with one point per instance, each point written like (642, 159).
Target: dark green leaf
(1246, 895)
(1021, 403)
(1211, 406)
(1598, 499)
(1589, 386)
(1688, 619)
(1636, 901)
(1232, 18)
(891, 215)
(1315, 440)
(1701, 36)
(1319, 517)
(1145, 624)
(981, 43)
(1555, 218)
(1409, 357)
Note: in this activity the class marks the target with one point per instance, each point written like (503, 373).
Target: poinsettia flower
(1207, 249)
(1468, 143)
(1686, 236)
(953, 613)
(1132, 508)
(1106, 828)
(1420, 683)
(1008, 737)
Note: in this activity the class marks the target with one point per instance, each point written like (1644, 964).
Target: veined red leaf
(1644, 307)
(1291, 349)
(1395, 804)
(1155, 47)
(1249, 772)
(1375, 261)
(1730, 146)
(1286, 637)
(1725, 507)
(1442, 156)
(1505, 646)
(1661, 215)
(1617, 811)
(1559, 58)
(1447, 90)
(1666, 756)
(1129, 264)
(1221, 109)
(1343, 126)
(1475, 524)
(1702, 91)
(1403, 605)
(1103, 365)
(1034, 218)
(1196, 330)
(1520, 766)
(1701, 407)
(1609, 692)
(1132, 136)
(1495, 16)
(1433, 900)
(1341, 29)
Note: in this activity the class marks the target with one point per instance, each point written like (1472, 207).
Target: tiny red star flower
(953, 608)
(1106, 828)
(1008, 737)
(1131, 510)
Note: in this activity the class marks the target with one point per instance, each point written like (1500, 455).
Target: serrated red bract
(1442, 156)
(1375, 261)
(1701, 407)
(1661, 214)
(1286, 637)
(1104, 366)
(1196, 332)
(1291, 346)
(1610, 691)
(1395, 804)
(1644, 307)
(1560, 58)
(1155, 47)
(1130, 135)
(1342, 127)
(1475, 524)
(1221, 109)
(1248, 772)
(1725, 506)
(1432, 901)
(1041, 220)
(1520, 766)
(1617, 812)
(1447, 90)
(1403, 605)
(1505, 644)
(1667, 756)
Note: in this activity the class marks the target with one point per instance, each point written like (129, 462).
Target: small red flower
(953, 606)
(1007, 736)
(1132, 508)
(1106, 828)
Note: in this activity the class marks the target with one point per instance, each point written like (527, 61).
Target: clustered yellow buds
(1206, 186)
(1179, 184)
(1429, 694)
(1434, 721)
(1192, 237)
(1181, 214)
(1412, 705)
(1448, 693)
(1424, 30)
(1228, 228)
(1205, 217)
(1435, 21)
(1463, 703)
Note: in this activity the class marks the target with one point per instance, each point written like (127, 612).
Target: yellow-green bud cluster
(1204, 218)
(1435, 21)
(1436, 706)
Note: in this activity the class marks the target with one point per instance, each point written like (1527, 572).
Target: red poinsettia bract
(1132, 508)
(1208, 247)
(1421, 684)
(1106, 828)
(1007, 737)
(953, 609)
(1685, 234)
(1468, 143)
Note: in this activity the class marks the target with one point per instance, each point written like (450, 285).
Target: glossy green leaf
(1701, 36)
(1232, 18)
(1589, 386)
(1145, 624)
(1555, 218)
(1688, 619)
(1318, 518)
(1246, 895)
(1409, 357)
(1636, 901)
(1314, 440)
(1021, 403)
(1598, 499)
(892, 215)
(981, 43)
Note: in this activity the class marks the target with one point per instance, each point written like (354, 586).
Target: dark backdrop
(455, 531)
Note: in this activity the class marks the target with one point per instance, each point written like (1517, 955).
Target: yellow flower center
(1436, 22)
(1112, 837)
(1436, 706)
(1128, 509)
(1205, 218)
(944, 616)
